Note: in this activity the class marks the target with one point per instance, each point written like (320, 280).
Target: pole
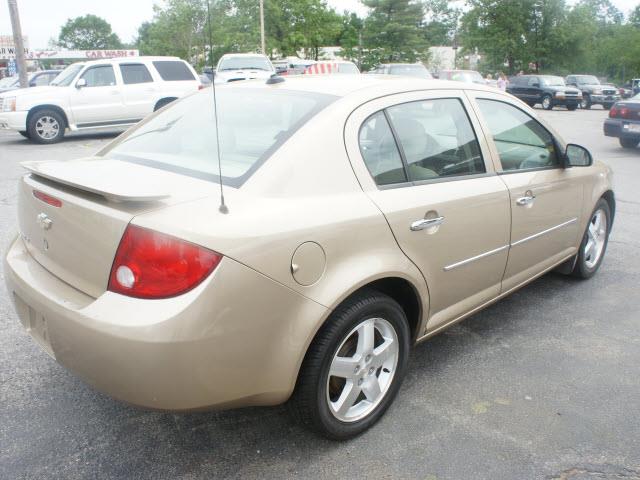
(262, 39)
(17, 40)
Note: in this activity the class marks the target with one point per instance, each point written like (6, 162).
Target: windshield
(588, 80)
(65, 77)
(552, 81)
(245, 63)
(410, 70)
(469, 77)
(254, 123)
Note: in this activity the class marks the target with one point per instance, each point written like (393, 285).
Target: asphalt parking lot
(544, 384)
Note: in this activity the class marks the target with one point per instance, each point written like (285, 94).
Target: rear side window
(173, 70)
(135, 73)
(380, 152)
(425, 140)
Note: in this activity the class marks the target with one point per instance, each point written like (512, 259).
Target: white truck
(95, 95)
(234, 67)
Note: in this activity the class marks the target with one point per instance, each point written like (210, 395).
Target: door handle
(426, 223)
(526, 200)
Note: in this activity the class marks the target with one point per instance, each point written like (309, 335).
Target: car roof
(119, 60)
(244, 55)
(343, 85)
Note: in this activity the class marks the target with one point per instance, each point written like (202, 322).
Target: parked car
(332, 68)
(467, 76)
(35, 79)
(547, 90)
(405, 69)
(624, 122)
(361, 216)
(234, 67)
(593, 93)
(99, 94)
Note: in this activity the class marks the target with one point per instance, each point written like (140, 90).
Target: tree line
(547, 36)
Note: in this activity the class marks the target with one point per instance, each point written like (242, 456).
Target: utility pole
(262, 39)
(17, 40)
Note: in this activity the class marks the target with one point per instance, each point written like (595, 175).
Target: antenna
(223, 207)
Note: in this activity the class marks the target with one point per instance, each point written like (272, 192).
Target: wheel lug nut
(360, 382)
(368, 358)
(357, 369)
(371, 370)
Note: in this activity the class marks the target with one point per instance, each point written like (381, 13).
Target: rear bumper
(567, 102)
(208, 348)
(621, 129)
(13, 121)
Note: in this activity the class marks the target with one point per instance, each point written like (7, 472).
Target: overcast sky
(42, 19)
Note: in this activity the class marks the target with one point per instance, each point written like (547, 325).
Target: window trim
(94, 67)
(403, 159)
(502, 171)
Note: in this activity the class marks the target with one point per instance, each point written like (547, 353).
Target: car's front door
(99, 101)
(420, 161)
(546, 198)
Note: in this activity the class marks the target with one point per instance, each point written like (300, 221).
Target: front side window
(100, 76)
(133, 73)
(522, 142)
(252, 124)
(65, 77)
(533, 81)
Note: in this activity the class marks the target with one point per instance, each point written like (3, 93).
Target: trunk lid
(76, 238)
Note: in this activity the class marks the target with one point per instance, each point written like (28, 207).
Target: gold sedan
(345, 220)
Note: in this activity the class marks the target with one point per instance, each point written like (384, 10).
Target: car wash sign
(8, 48)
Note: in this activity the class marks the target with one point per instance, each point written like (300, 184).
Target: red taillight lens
(624, 112)
(54, 202)
(153, 265)
(613, 113)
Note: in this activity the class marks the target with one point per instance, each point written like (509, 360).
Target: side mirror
(81, 83)
(577, 156)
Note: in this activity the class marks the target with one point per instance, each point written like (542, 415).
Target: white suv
(98, 94)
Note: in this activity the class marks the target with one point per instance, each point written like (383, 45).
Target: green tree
(350, 37)
(88, 33)
(634, 18)
(394, 31)
(442, 22)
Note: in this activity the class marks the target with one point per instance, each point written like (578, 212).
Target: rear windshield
(410, 70)
(245, 63)
(588, 80)
(552, 81)
(254, 123)
(173, 70)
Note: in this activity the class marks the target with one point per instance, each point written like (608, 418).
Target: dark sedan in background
(547, 90)
(624, 122)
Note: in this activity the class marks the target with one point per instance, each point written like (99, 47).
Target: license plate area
(633, 127)
(35, 323)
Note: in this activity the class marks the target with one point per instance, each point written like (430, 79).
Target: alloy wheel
(596, 238)
(47, 127)
(362, 370)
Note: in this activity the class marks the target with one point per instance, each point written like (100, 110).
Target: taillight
(624, 112)
(613, 113)
(48, 199)
(153, 265)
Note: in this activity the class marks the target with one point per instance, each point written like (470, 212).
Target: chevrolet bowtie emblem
(44, 221)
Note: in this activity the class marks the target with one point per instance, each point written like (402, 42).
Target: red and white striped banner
(321, 69)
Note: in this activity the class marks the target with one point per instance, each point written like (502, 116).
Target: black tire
(547, 102)
(582, 268)
(586, 102)
(531, 104)
(24, 133)
(607, 106)
(163, 102)
(571, 108)
(628, 142)
(36, 119)
(310, 401)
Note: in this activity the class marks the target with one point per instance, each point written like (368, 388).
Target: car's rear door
(546, 199)
(419, 159)
(140, 91)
